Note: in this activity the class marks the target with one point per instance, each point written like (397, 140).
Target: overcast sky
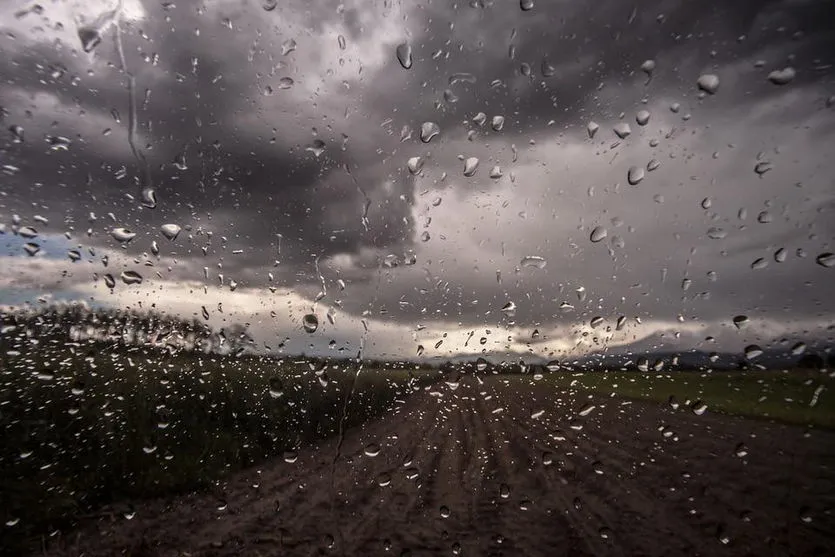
(280, 140)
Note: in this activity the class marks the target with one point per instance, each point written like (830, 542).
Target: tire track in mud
(510, 484)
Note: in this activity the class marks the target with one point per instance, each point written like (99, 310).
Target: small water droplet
(715, 233)
(372, 450)
(596, 321)
(285, 83)
(504, 491)
(109, 281)
(444, 511)
(341, 42)
(741, 450)
(598, 234)
(310, 323)
(642, 118)
(698, 407)
(288, 46)
(592, 129)
(509, 308)
(404, 55)
(470, 166)
(709, 83)
(648, 66)
(290, 457)
(497, 123)
(480, 119)
(675, 107)
(762, 167)
(526, 5)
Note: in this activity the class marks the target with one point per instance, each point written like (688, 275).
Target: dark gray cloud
(214, 100)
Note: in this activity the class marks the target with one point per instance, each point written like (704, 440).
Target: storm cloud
(279, 140)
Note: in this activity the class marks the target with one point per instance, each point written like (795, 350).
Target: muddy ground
(471, 471)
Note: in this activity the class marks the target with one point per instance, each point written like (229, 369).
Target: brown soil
(511, 484)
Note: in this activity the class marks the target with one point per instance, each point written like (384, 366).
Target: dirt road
(475, 471)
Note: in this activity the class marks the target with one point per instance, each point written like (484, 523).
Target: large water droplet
(592, 129)
(31, 248)
(170, 231)
(826, 260)
(404, 55)
(709, 83)
(642, 118)
(716, 233)
(509, 308)
(497, 123)
(428, 130)
(470, 166)
(90, 37)
(372, 450)
(648, 66)
(622, 130)
(317, 147)
(17, 133)
(310, 323)
(276, 388)
(122, 235)
(753, 351)
(598, 234)
(481, 364)
(131, 277)
(149, 198)
(533, 261)
(526, 5)
(285, 83)
(27, 232)
(635, 175)
(480, 119)
(414, 165)
(782, 77)
(741, 321)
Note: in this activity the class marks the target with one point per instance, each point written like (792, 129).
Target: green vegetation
(89, 423)
(783, 396)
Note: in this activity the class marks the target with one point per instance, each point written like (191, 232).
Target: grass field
(86, 426)
(800, 397)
